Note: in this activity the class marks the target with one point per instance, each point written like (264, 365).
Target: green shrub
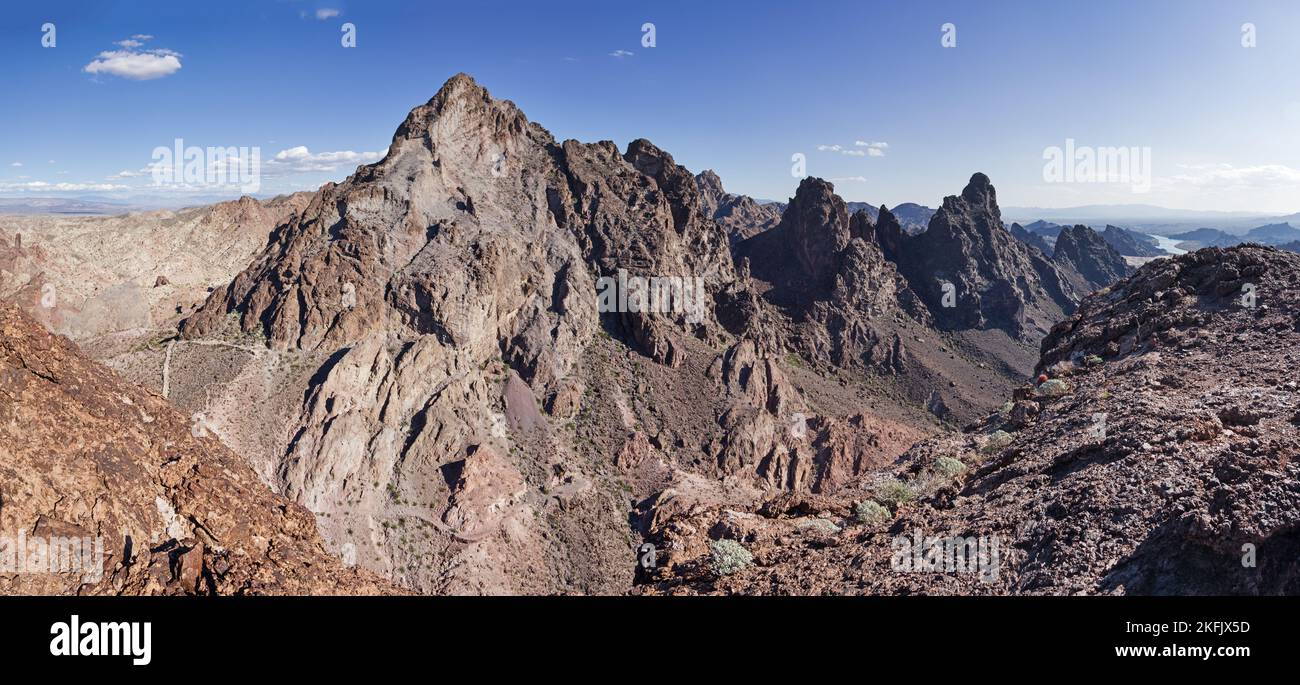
(1053, 387)
(821, 525)
(949, 467)
(894, 493)
(728, 557)
(996, 441)
(872, 514)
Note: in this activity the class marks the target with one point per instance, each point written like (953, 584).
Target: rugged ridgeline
(111, 477)
(740, 216)
(1131, 244)
(1158, 458)
(1030, 238)
(825, 271)
(911, 217)
(992, 281)
(1086, 260)
(465, 417)
(108, 282)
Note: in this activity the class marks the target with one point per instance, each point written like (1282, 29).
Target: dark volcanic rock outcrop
(1080, 250)
(1031, 238)
(829, 276)
(992, 280)
(911, 217)
(740, 216)
(1131, 244)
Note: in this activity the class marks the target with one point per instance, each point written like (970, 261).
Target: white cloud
(16, 164)
(301, 160)
(865, 149)
(873, 149)
(620, 54)
(142, 36)
(1224, 176)
(855, 179)
(326, 13)
(128, 43)
(137, 65)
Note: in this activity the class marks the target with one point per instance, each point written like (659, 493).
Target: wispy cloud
(620, 54)
(326, 13)
(1225, 176)
(302, 160)
(861, 148)
(16, 164)
(873, 149)
(133, 63)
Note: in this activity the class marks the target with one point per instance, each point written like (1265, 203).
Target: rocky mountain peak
(979, 191)
(972, 273)
(1084, 250)
(816, 226)
(889, 233)
(710, 185)
(740, 216)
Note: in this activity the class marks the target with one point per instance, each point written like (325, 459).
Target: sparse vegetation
(728, 557)
(948, 466)
(820, 525)
(870, 513)
(895, 493)
(1053, 387)
(996, 441)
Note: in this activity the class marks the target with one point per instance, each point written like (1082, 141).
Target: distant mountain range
(914, 218)
(1276, 234)
(57, 205)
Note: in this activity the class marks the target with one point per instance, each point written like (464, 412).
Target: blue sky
(738, 87)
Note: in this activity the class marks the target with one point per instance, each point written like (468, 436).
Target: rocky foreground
(162, 508)
(1157, 457)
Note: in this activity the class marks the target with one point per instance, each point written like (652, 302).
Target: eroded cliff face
(125, 496)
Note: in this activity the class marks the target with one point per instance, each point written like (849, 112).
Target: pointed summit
(994, 279)
(980, 192)
(463, 108)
